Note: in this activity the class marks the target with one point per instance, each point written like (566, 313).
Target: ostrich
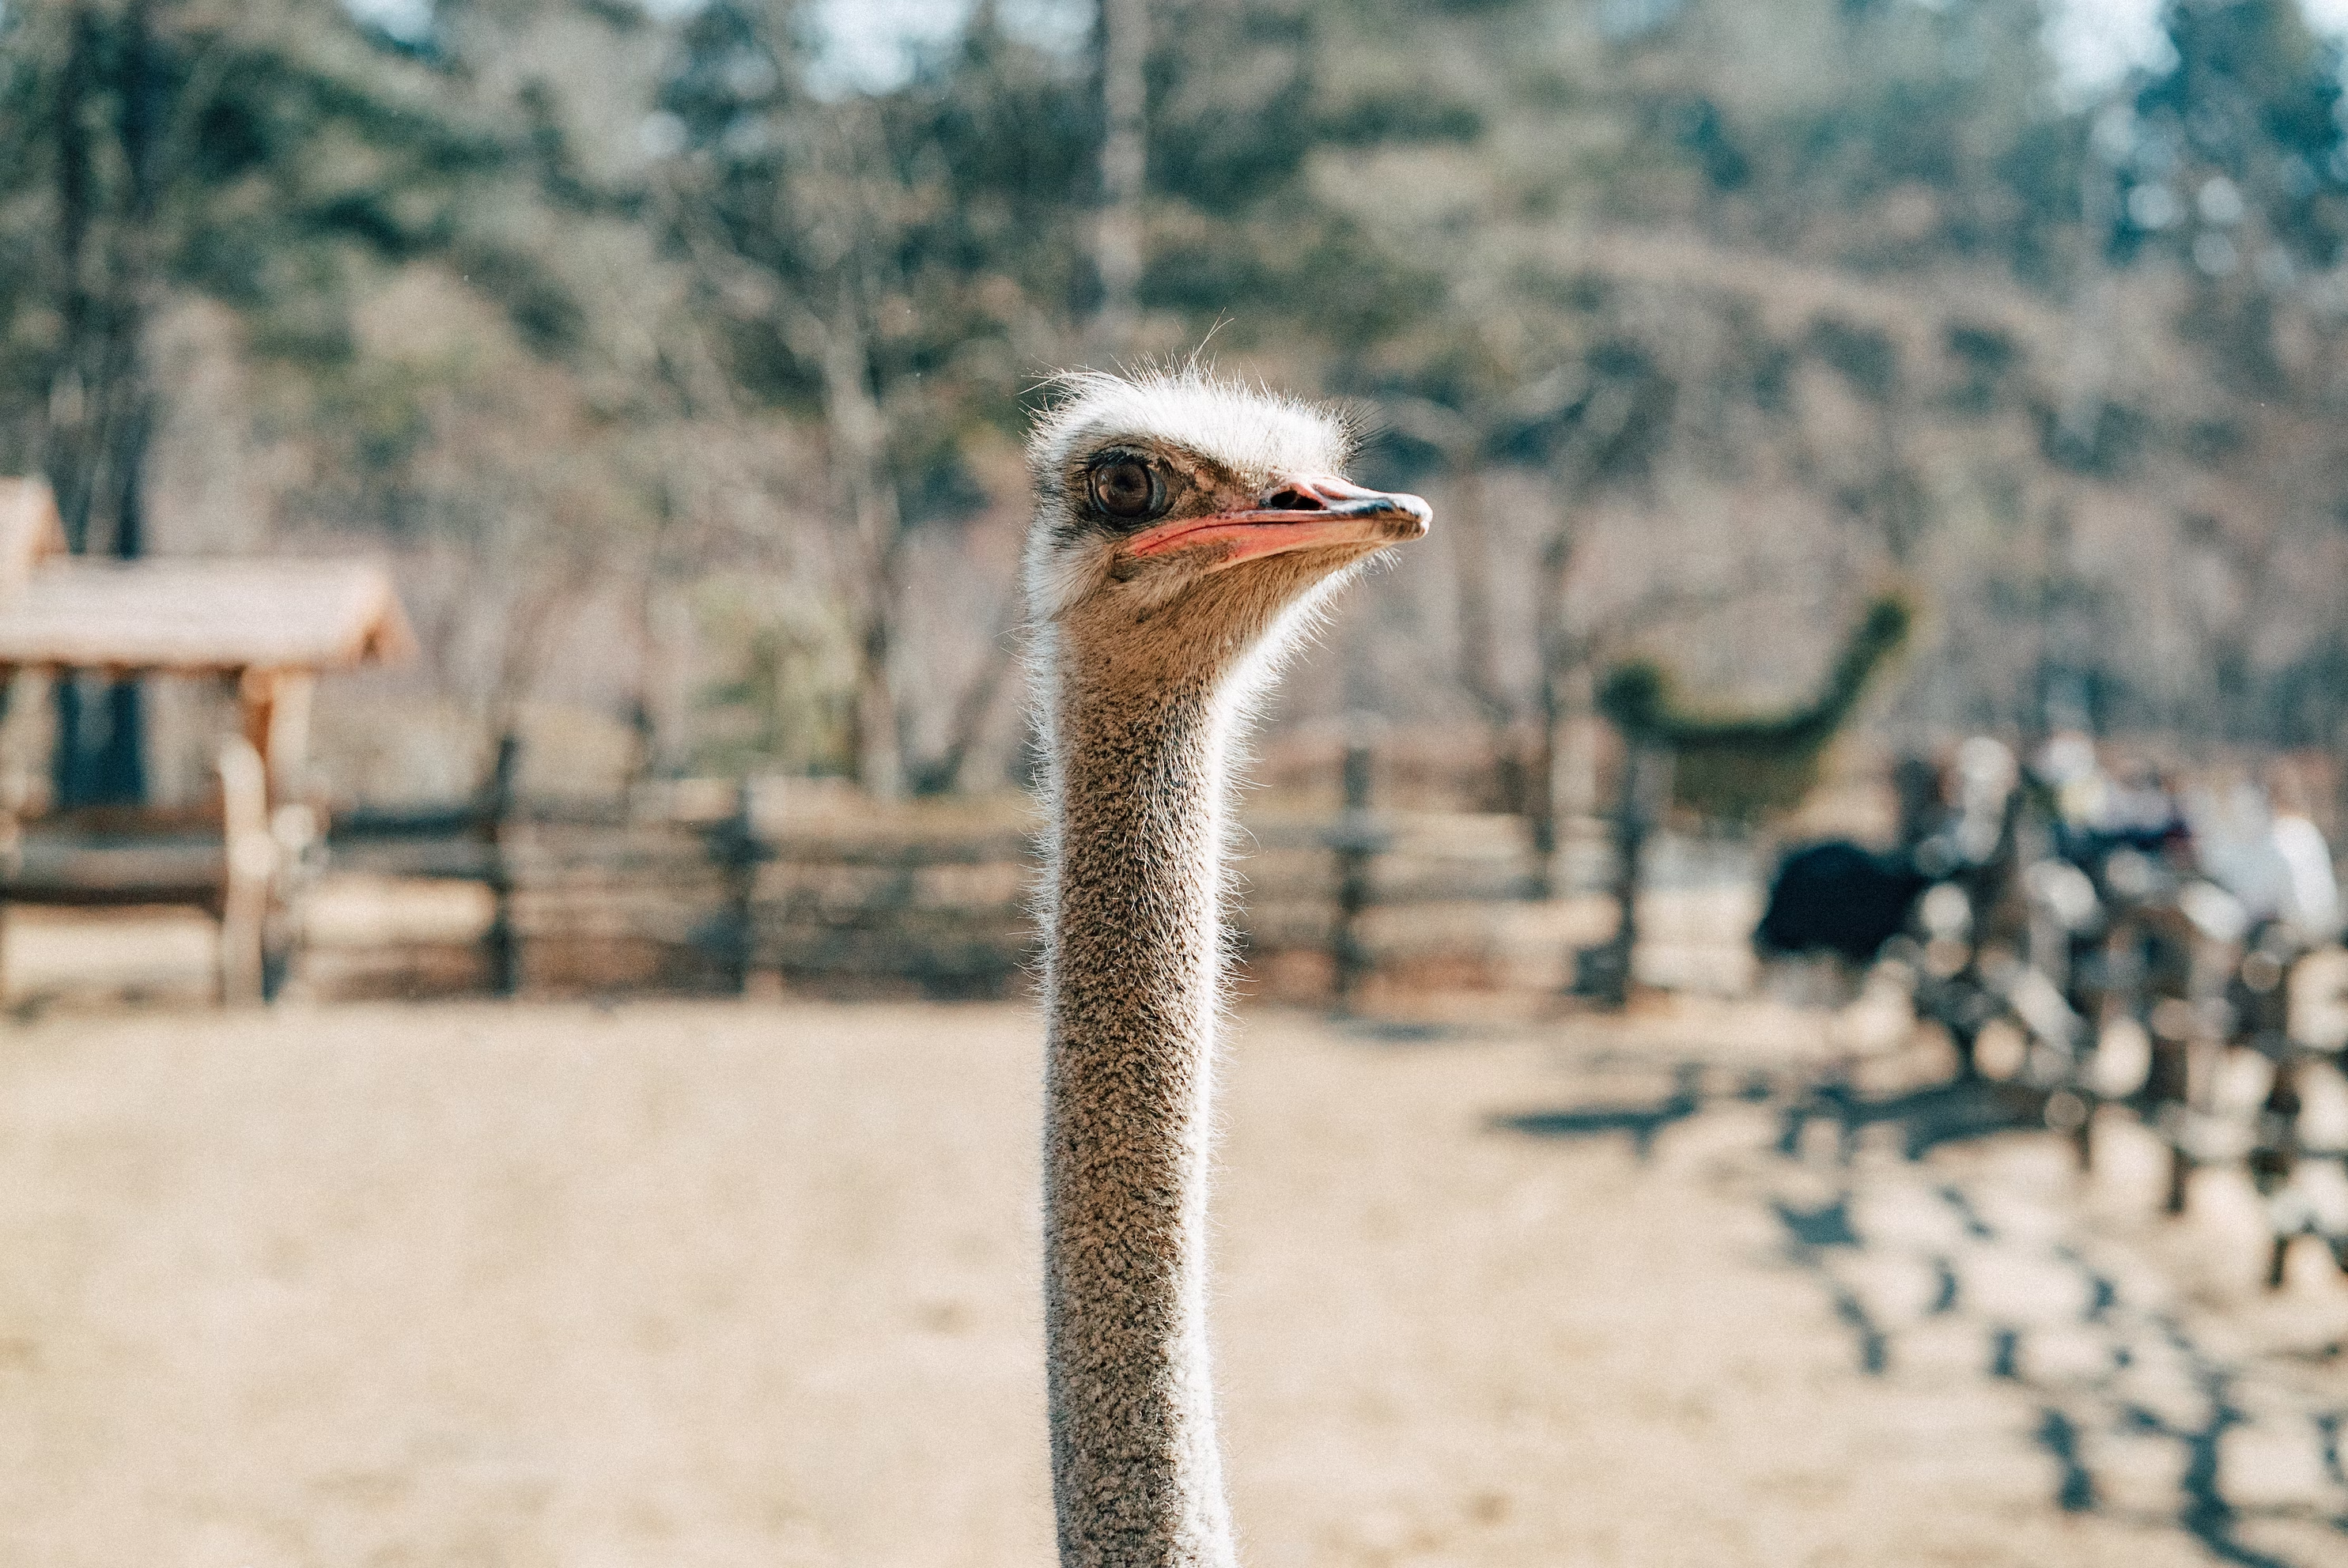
(1185, 531)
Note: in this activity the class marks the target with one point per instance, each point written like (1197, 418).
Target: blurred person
(2256, 844)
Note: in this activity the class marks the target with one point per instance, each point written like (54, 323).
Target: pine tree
(157, 149)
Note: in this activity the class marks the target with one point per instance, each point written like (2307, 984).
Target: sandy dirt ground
(705, 1285)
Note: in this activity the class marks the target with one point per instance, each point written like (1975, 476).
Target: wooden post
(275, 705)
(12, 804)
(2262, 1011)
(1630, 863)
(501, 943)
(1356, 841)
(2275, 1158)
(256, 697)
(249, 869)
(736, 844)
(288, 751)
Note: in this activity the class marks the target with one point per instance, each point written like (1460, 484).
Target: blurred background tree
(158, 151)
(679, 351)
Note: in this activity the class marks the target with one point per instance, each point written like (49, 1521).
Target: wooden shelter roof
(186, 615)
(193, 616)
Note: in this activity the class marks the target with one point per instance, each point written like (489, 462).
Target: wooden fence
(715, 888)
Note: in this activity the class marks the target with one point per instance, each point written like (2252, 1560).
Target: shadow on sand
(1829, 1242)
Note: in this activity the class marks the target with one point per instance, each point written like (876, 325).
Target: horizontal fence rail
(711, 890)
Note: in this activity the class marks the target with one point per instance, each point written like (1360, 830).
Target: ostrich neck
(1130, 1000)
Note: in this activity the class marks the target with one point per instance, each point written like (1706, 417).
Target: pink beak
(1297, 515)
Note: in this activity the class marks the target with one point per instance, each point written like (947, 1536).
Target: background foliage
(685, 380)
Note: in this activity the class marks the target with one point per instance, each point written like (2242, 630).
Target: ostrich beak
(1300, 514)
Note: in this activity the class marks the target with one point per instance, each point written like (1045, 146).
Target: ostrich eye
(1127, 489)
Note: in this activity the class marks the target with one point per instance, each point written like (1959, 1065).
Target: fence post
(249, 865)
(1356, 840)
(738, 844)
(501, 943)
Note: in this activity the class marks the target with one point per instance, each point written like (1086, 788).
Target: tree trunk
(859, 441)
(880, 761)
(1124, 167)
(101, 409)
(1478, 651)
(1472, 564)
(1543, 802)
(1608, 974)
(943, 775)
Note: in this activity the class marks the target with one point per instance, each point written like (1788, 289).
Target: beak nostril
(1291, 499)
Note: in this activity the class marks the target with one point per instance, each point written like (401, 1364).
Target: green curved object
(1736, 767)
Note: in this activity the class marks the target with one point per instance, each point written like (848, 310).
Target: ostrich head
(1182, 522)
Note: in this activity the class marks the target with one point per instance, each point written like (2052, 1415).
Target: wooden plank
(88, 874)
(901, 852)
(442, 859)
